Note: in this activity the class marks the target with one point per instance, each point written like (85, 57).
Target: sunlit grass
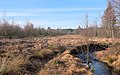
(12, 63)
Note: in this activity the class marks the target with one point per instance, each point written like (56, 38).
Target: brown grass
(111, 56)
(47, 51)
(65, 64)
(12, 63)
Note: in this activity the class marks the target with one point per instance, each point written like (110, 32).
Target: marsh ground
(51, 55)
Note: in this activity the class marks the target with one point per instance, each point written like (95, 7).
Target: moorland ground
(53, 55)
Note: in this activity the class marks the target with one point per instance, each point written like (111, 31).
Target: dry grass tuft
(11, 63)
(111, 56)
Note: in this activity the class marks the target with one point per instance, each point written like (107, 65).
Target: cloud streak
(52, 9)
(65, 9)
(43, 12)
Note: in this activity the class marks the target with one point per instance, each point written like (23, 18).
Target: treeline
(11, 30)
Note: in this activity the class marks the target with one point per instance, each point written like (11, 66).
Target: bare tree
(29, 29)
(87, 37)
(116, 5)
(96, 27)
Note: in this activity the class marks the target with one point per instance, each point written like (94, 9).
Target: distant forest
(8, 30)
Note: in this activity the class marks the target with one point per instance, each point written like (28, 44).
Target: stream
(100, 68)
(97, 67)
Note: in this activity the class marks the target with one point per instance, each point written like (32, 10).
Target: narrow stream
(97, 67)
(100, 68)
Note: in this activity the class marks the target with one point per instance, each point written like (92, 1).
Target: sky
(52, 13)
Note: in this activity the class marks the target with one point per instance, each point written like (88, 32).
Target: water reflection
(96, 66)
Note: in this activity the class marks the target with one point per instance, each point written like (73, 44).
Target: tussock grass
(42, 52)
(65, 64)
(111, 56)
(12, 63)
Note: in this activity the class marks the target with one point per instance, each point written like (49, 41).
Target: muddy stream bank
(96, 66)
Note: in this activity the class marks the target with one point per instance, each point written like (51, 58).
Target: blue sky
(52, 13)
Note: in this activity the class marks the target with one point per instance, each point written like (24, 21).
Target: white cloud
(64, 9)
(43, 12)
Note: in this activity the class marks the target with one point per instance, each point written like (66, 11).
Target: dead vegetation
(44, 56)
(111, 56)
(24, 56)
(65, 64)
(11, 63)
